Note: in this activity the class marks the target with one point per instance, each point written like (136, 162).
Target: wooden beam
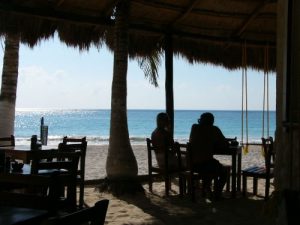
(176, 8)
(55, 15)
(196, 36)
(289, 56)
(185, 13)
(59, 3)
(253, 15)
(110, 6)
(50, 14)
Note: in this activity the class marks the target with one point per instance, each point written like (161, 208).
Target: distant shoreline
(95, 124)
(101, 142)
(95, 109)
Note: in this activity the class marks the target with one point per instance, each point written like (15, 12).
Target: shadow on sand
(180, 210)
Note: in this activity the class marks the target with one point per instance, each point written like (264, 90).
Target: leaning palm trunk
(9, 85)
(121, 164)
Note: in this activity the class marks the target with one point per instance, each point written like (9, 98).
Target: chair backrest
(185, 149)
(232, 141)
(65, 164)
(41, 191)
(68, 140)
(93, 216)
(7, 141)
(182, 151)
(73, 145)
(54, 160)
(269, 154)
(151, 148)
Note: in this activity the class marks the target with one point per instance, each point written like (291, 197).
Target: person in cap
(205, 140)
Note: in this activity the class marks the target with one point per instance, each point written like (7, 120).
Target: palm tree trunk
(169, 81)
(9, 85)
(121, 163)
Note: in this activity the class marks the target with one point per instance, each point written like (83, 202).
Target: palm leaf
(150, 65)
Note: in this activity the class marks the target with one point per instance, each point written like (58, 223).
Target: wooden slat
(176, 8)
(253, 15)
(59, 3)
(108, 9)
(185, 13)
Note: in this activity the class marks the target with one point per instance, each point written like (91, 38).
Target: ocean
(94, 124)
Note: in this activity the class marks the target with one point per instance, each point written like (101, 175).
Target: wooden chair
(94, 216)
(165, 172)
(65, 164)
(79, 145)
(231, 142)
(191, 176)
(26, 197)
(7, 141)
(261, 172)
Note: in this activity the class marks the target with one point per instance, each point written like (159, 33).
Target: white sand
(156, 209)
(96, 159)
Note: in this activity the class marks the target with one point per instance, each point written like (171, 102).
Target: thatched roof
(202, 30)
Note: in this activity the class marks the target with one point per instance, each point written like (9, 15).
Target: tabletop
(26, 170)
(22, 152)
(26, 148)
(15, 215)
(230, 151)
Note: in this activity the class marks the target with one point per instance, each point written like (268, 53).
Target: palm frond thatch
(203, 31)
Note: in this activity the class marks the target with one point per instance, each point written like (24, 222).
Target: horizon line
(154, 109)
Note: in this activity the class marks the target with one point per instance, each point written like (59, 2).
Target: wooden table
(236, 163)
(21, 216)
(26, 170)
(22, 152)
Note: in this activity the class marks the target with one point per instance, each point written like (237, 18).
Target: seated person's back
(206, 139)
(162, 141)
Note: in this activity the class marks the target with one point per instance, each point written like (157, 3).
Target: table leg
(233, 180)
(239, 171)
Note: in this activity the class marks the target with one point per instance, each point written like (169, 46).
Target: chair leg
(267, 188)
(150, 182)
(255, 185)
(189, 185)
(228, 180)
(81, 195)
(167, 185)
(191, 188)
(181, 185)
(184, 187)
(244, 185)
(193, 191)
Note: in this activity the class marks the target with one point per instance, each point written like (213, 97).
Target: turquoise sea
(95, 124)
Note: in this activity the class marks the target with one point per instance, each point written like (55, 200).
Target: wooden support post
(169, 80)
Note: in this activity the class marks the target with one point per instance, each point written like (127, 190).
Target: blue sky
(51, 75)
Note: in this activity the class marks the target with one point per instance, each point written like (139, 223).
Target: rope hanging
(266, 98)
(266, 94)
(244, 97)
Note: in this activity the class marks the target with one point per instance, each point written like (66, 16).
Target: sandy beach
(96, 158)
(154, 208)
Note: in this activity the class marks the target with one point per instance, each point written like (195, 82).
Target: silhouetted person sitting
(162, 140)
(206, 139)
